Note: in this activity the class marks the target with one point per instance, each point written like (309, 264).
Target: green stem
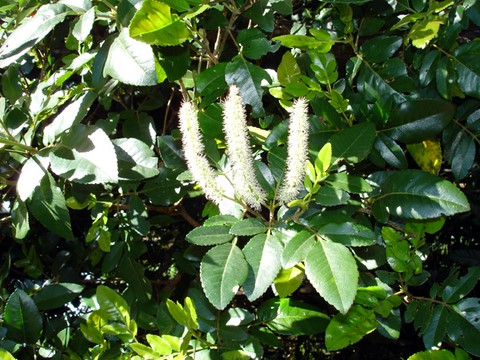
(18, 145)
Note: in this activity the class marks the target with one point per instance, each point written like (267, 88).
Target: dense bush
(239, 179)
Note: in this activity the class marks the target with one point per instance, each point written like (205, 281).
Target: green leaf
(85, 155)
(353, 144)
(112, 305)
(145, 352)
(211, 82)
(134, 274)
(31, 175)
(209, 235)
(350, 183)
(289, 280)
(5, 355)
(380, 48)
(325, 68)
(463, 325)
(20, 220)
(22, 318)
(459, 150)
(390, 151)
(332, 270)
(84, 25)
(436, 329)
(414, 194)
(248, 78)
(136, 161)
(417, 120)
(11, 84)
(321, 42)
(433, 355)
(164, 189)
(297, 248)
(288, 71)
(227, 220)
(468, 68)
(329, 196)
(323, 160)
(452, 293)
(291, 317)
(137, 57)
(155, 24)
(222, 270)
(160, 345)
(374, 86)
(56, 295)
(347, 329)
(255, 44)
(30, 32)
(170, 152)
(263, 253)
(48, 206)
(138, 217)
(349, 234)
(71, 115)
(247, 227)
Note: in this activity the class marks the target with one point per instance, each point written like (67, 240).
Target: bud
(297, 153)
(194, 152)
(240, 154)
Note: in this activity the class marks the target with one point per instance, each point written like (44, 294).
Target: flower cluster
(245, 183)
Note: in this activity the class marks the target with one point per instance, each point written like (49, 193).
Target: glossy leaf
(248, 78)
(349, 234)
(210, 235)
(349, 183)
(459, 288)
(255, 44)
(433, 355)
(468, 68)
(414, 194)
(353, 144)
(288, 71)
(321, 41)
(164, 189)
(155, 24)
(136, 161)
(463, 326)
(248, 227)
(134, 55)
(22, 318)
(417, 120)
(48, 206)
(170, 152)
(222, 270)
(112, 305)
(292, 317)
(460, 150)
(380, 48)
(329, 196)
(56, 295)
(263, 253)
(390, 151)
(85, 155)
(289, 280)
(211, 83)
(332, 270)
(297, 248)
(347, 329)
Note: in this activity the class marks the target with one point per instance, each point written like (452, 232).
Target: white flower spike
(297, 153)
(240, 154)
(194, 152)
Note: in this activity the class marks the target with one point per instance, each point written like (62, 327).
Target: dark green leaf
(349, 183)
(22, 318)
(414, 194)
(263, 254)
(136, 161)
(56, 295)
(134, 274)
(468, 68)
(222, 270)
(332, 270)
(211, 82)
(170, 152)
(164, 189)
(248, 77)
(417, 120)
(349, 234)
(175, 62)
(255, 44)
(436, 328)
(20, 220)
(459, 151)
(390, 151)
(291, 317)
(462, 331)
(138, 215)
(452, 293)
(354, 143)
(380, 48)
(329, 196)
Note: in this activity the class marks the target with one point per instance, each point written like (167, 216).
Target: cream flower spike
(240, 154)
(194, 152)
(297, 153)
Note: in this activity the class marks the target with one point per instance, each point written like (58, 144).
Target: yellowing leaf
(427, 154)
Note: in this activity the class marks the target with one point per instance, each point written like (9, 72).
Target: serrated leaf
(209, 235)
(349, 234)
(291, 317)
(226, 220)
(414, 194)
(297, 248)
(419, 119)
(56, 295)
(263, 254)
(48, 206)
(137, 57)
(289, 280)
(30, 32)
(349, 183)
(353, 144)
(288, 71)
(248, 78)
(222, 270)
(332, 270)
(22, 318)
(347, 329)
(247, 227)
(136, 161)
(154, 24)
(85, 155)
